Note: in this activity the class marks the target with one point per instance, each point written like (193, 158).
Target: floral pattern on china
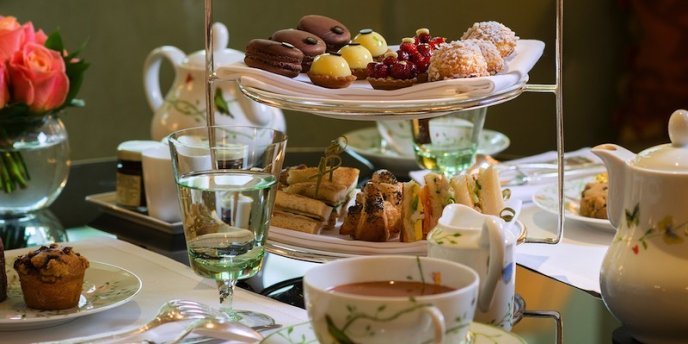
(647, 261)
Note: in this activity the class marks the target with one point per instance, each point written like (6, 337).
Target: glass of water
(226, 180)
(448, 144)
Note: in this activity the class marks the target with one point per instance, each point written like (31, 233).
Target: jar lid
(131, 150)
(670, 157)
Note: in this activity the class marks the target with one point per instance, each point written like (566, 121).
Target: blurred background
(121, 33)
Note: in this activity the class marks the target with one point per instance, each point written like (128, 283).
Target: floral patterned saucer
(105, 286)
(478, 334)
(546, 199)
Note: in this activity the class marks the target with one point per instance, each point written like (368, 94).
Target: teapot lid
(670, 157)
(221, 54)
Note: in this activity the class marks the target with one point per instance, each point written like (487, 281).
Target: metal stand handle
(559, 331)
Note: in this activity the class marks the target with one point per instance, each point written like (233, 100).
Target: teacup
(159, 184)
(397, 135)
(349, 301)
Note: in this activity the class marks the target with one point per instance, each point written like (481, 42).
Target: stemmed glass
(226, 191)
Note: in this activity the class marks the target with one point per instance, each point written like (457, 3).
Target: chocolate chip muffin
(51, 277)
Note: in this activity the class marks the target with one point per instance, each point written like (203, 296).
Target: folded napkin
(527, 53)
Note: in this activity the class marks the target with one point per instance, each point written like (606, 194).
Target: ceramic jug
(644, 275)
(466, 236)
(184, 104)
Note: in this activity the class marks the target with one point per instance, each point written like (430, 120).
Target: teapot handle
(495, 238)
(151, 72)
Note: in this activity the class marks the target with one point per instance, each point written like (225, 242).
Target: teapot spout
(616, 159)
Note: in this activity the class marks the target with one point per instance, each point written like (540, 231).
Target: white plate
(106, 201)
(303, 333)
(546, 199)
(105, 286)
(331, 245)
(367, 143)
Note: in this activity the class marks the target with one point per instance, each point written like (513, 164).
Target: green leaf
(77, 51)
(54, 42)
(221, 103)
(75, 73)
(336, 333)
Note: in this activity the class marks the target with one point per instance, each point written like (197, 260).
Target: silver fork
(171, 311)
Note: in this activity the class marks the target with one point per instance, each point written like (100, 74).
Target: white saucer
(105, 286)
(303, 333)
(366, 142)
(546, 199)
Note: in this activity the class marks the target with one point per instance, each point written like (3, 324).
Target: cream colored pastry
(331, 71)
(373, 41)
(358, 57)
(457, 59)
(493, 58)
(502, 37)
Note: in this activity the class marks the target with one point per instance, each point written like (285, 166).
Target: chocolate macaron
(309, 44)
(277, 57)
(334, 33)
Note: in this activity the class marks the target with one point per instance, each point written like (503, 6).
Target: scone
(502, 37)
(458, 59)
(51, 277)
(593, 201)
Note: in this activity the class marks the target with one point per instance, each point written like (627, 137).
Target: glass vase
(34, 163)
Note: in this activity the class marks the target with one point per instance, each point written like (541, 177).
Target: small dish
(479, 334)
(105, 286)
(546, 199)
(368, 143)
(106, 201)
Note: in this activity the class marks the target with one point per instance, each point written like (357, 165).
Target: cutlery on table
(171, 311)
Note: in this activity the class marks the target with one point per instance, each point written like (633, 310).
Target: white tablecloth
(163, 279)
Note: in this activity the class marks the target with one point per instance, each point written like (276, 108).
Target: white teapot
(644, 275)
(184, 104)
(466, 236)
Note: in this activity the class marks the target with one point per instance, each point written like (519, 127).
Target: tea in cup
(391, 299)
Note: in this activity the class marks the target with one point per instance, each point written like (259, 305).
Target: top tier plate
(361, 102)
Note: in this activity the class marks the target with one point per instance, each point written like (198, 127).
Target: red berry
(403, 70)
(423, 64)
(424, 37)
(381, 71)
(408, 47)
(403, 56)
(436, 41)
(416, 57)
(424, 49)
(370, 68)
(389, 60)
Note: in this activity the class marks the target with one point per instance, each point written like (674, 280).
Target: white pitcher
(466, 236)
(644, 275)
(184, 104)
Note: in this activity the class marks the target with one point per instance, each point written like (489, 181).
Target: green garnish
(329, 162)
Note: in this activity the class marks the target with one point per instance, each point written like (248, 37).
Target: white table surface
(163, 279)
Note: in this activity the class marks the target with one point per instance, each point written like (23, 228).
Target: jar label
(129, 189)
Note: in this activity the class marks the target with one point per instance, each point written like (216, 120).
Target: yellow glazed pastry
(358, 57)
(331, 71)
(373, 41)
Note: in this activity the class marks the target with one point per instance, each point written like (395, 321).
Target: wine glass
(227, 180)
(448, 144)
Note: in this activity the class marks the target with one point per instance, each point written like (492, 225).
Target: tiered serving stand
(415, 110)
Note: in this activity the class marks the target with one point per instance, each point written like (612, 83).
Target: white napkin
(527, 53)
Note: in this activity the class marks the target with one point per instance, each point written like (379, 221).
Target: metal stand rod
(559, 330)
(209, 78)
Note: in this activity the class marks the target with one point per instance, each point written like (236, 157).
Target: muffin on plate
(51, 277)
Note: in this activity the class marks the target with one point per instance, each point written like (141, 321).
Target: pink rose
(11, 37)
(4, 89)
(31, 36)
(38, 78)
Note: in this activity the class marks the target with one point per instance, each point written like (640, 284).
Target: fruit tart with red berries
(392, 73)
(418, 50)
